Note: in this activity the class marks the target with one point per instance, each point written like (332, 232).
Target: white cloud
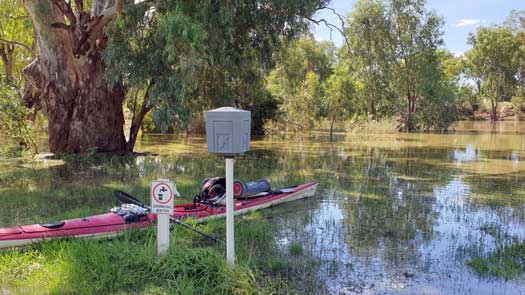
(467, 22)
(318, 33)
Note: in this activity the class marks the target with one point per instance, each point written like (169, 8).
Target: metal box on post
(228, 131)
(228, 134)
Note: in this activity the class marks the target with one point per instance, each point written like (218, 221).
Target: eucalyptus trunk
(6, 54)
(332, 127)
(411, 108)
(493, 110)
(83, 113)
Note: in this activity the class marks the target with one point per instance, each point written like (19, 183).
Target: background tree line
(162, 64)
(394, 65)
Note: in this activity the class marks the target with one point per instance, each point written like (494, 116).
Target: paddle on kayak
(129, 199)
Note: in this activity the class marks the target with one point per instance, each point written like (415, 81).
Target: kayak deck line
(111, 224)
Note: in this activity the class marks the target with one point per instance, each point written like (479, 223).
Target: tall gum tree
(415, 35)
(83, 112)
(170, 52)
(394, 50)
(367, 29)
(491, 62)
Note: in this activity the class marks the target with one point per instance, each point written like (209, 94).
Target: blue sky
(461, 17)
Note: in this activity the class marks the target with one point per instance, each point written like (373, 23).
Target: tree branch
(136, 122)
(62, 26)
(330, 25)
(67, 11)
(145, 105)
(101, 17)
(16, 43)
(86, 29)
(107, 14)
(3, 53)
(13, 17)
(79, 4)
(34, 74)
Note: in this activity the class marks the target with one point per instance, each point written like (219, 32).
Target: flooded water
(394, 213)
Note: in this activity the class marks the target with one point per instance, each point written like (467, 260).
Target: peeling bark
(83, 112)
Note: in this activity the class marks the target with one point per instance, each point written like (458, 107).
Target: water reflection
(469, 154)
(395, 213)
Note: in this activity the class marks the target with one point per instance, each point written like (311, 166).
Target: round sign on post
(162, 200)
(162, 193)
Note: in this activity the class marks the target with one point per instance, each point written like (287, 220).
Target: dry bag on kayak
(254, 188)
(213, 189)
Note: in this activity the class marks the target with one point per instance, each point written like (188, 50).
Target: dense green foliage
(366, 30)
(496, 62)
(491, 61)
(392, 65)
(187, 57)
(16, 42)
(396, 48)
(298, 79)
(16, 51)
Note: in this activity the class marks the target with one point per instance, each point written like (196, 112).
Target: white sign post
(162, 194)
(230, 241)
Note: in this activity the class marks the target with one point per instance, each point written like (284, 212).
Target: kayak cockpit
(108, 219)
(56, 224)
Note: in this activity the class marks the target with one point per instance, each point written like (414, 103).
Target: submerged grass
(507, 262)
(295, 248)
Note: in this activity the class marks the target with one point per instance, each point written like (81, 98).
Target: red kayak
(110, 224)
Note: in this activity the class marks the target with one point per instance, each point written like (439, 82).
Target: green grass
(506, 262)
(129, 264)
(295, 248)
